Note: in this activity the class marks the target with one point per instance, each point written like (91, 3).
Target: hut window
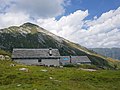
(65, 59)
(39, 60)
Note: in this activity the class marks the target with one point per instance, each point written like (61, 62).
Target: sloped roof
(34, 53)
(80, 59)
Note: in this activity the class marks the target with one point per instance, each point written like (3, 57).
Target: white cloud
(37, 8)
(66, 25)
(9, 19)
(100, 32)
(16, 12)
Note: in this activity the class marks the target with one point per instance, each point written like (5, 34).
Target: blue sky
(90, 23)
(95, 7)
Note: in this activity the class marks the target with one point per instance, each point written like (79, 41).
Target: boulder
(2, 57)
(23, 69)
(7, 57)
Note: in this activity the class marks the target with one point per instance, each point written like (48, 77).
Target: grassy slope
(63, 79)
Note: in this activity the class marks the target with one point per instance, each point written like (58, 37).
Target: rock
(91, 70)
(2, 57)
(50, 78)
(7, 57)
(44, 70)
(61, 66)
(35, 89)
(19, 85)
(23, 69)
(12, 65)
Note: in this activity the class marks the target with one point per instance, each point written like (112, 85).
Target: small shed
(80, 60)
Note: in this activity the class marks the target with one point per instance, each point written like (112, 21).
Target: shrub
(69, 65)
(87, 66)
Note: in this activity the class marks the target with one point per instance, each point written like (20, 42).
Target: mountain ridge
(108, 52)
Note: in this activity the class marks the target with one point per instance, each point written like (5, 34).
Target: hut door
(39, 60)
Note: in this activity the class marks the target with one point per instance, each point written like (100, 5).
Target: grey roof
(34, 53)
(80, 59)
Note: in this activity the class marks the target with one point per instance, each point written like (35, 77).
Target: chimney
(50, 51)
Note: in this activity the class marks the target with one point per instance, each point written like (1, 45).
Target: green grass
(63, 78)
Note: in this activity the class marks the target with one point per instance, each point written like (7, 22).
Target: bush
(81, 66)
(11, 76)
(2, 52)
(88, 66)
(69, 65)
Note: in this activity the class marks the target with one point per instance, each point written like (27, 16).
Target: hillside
(30, 35)
(44, 78)
(108, 52)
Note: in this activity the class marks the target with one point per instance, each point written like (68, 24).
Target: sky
(90, 23)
